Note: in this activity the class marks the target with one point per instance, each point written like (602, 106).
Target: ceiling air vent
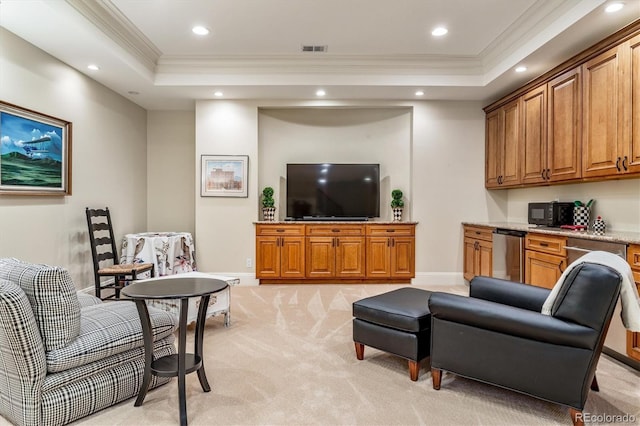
(313, 48)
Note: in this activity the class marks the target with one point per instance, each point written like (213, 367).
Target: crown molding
(540, 23)
(326, 64)
(115, 25)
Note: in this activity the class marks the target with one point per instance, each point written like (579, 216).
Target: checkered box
(581, 215)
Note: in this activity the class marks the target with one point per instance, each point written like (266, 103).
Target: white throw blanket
(628, 293)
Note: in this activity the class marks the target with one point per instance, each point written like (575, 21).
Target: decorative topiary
(396, 199)
(268, 204)
(267, 197)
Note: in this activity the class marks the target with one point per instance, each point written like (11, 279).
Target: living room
(144, 164)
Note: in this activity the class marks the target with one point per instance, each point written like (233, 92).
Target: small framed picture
(224, 176)
(35, 153)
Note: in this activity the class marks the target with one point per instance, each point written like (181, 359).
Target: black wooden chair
(108, 272)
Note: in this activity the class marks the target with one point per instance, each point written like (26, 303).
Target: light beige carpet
(288, 359)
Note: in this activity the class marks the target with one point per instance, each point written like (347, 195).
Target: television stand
(334, 219)
(335, 253)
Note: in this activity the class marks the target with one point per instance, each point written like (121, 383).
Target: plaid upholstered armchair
(65, 355)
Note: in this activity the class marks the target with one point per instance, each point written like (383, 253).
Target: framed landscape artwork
(224, 176)
(35, 153)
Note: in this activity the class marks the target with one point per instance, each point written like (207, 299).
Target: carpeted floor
(288, 359)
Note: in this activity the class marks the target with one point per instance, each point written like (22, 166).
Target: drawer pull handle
(335, 230)
(544, 244)
(391, 230)
(279, 230)
(478, 232)
(560, 266)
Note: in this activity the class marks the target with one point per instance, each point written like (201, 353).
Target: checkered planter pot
(581, 215)
(397, 215)
(269, 214)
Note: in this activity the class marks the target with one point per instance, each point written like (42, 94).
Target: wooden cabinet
(502, 146)
(602, 142)
(335, 251)
(478, 251)
(578, 122)
(390, 251)
(631, 103)
(564, 127)
(280, 251)
(545, 259)
(534, 136)
(633, 339)
(551, 124)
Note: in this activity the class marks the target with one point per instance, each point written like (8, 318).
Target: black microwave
(553, 213)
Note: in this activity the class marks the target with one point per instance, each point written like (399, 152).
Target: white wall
(170, 171)
(224, 226)
(108, 161)
(617, 201)
(443, 156)
(336, 135)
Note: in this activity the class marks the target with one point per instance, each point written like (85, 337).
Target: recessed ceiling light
(200, 30)
(439, 31)
(218, 93)
(521, 68)
(93, 67)
(420, 93)
(320, 92)
(614, 7)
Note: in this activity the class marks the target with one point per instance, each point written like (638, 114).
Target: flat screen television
(330, 190)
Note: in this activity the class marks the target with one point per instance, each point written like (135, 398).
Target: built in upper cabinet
(578, 122)
(502, 160)
(551, 140)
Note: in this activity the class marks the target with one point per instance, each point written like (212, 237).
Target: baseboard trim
(439, 279)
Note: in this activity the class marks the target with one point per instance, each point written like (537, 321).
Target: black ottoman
(398, 322)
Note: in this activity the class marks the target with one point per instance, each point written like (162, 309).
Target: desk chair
(105, 256)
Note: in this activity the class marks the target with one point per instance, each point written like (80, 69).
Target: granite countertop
(331, 222)
(610, 236)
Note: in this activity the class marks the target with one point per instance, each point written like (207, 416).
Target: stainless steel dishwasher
(508, 254)
(615, 344)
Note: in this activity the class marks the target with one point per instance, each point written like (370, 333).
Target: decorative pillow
(52, 296)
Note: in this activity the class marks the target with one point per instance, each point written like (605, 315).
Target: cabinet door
(378, 257)
(268, 257)
(349, 257)
(292, 257)
(543, 270)
(534, 136)
(631, 104)
(564, 128)
(492, 148)
(510, 164)
(601, 100)
(402, 257)
(484, 255)
(320, 254)
(469, 255)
